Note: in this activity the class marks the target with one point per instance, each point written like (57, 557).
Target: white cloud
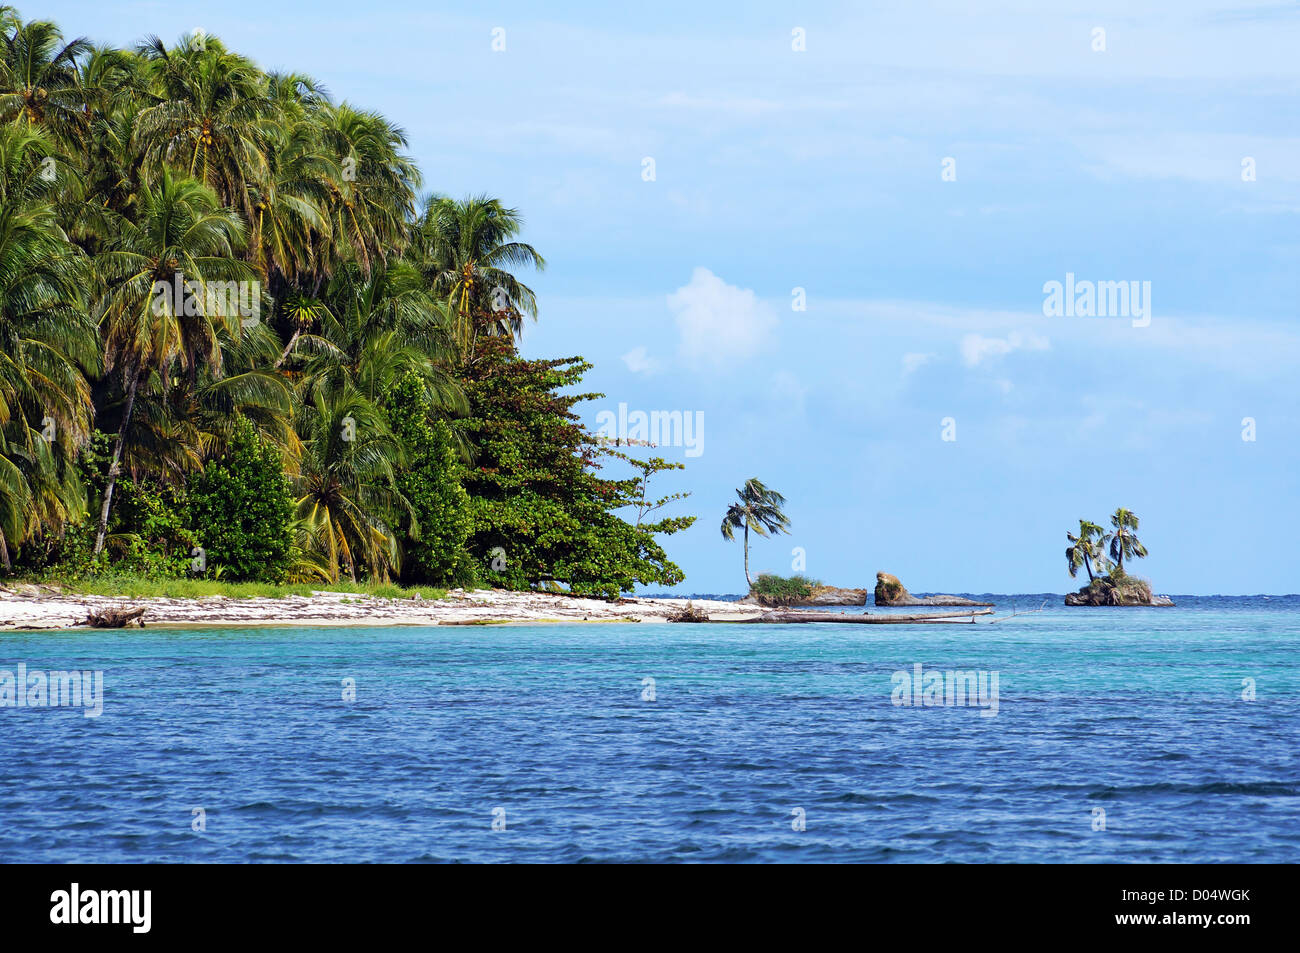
(638, 361)
(976, 348)
(915, 359)
(719, 323)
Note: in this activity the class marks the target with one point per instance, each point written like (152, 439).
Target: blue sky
(820, 169)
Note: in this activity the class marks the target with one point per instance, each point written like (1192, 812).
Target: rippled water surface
(1138, 712)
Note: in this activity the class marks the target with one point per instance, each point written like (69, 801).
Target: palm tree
(380, 327)
(180, 235)
(466, 249)
(287, 204)
(114, 166)
(1085, 549)
(180, 423)
(346, 500)
(758, 509)
(207, 122)
(370, 186)
(1123, 540)
(39, 84)
(47, 348)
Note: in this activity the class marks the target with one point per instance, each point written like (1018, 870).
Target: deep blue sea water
(1137, 712)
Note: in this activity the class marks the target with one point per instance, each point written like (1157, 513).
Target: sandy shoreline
(63, 611)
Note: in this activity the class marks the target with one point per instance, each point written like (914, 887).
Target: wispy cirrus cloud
(976, 348)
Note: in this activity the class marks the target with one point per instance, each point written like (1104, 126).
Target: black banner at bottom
(949, 904)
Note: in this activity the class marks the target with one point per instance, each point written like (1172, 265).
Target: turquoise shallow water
(1137, 712)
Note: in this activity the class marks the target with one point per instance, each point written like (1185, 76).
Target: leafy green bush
(153, 535)
(435, 534)
(148, 536)
(773, 590)
(240, 507)
(66, 556)
(149, 533)
(541, 514)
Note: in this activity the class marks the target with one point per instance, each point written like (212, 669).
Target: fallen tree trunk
(688, 614)
(871, 619)
(115, 618)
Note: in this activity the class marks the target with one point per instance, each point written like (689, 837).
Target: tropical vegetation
(756, 508)
(239, 342)
(1101, 552)
(770, 589)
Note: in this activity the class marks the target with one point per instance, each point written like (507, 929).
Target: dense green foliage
(540, 512)
(240, 508)
(773, 590)
(235, 339)
(438, 526)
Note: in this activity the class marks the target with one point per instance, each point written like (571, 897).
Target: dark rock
(1113, 597)
(891, 592)
(1116, 589)
(831, 596)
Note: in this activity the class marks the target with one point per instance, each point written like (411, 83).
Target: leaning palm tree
(180, 237)
(179, 423)
(14, 500)
(758, 509)
(1085, 550)
(1123, 540)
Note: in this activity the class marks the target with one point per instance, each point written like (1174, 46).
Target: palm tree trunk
(1087, 564)
(115, 468)
(4, 554)
(288, 347)
(747, 579)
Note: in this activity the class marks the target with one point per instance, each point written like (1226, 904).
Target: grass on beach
(141, 587)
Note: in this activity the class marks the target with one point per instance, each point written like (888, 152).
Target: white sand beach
(34, 608)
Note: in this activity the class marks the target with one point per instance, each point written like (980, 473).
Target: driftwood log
(880, 619)
(115, 618)
(688, 614)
